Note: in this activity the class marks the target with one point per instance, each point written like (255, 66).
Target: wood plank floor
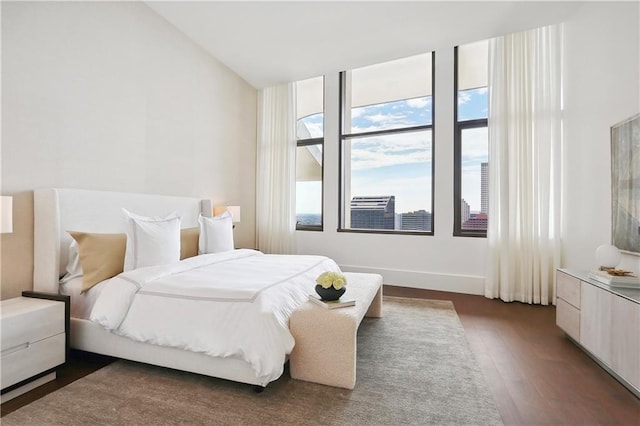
(537, 375)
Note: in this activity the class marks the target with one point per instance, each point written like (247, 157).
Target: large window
(387, 147)
(471, 151)
(309, 154)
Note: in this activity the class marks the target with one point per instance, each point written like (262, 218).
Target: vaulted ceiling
(267, 43)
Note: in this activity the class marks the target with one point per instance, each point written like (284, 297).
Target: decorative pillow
(101, 256)
(189, 242)
(216, 233)
(151, 240)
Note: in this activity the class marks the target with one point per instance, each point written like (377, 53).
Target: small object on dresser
(331, 304)
(615, 280)
(608, 257)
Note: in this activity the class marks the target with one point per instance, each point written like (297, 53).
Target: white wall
(602, 87)
(110, 96)
(602, 74)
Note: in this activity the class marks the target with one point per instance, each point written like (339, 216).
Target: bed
(57, 211)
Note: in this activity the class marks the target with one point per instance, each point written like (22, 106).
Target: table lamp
(607, 257)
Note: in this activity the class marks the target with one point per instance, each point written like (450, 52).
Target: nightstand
(34, 341)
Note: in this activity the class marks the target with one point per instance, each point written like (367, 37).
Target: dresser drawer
(568, 318)
(29, 320)
(568, 288)
(30, 359)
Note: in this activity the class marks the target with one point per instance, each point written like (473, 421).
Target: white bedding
(231, 304)
(81, 303)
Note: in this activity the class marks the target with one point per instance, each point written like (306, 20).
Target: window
(309, 153)
(471, 149)
(386, 141)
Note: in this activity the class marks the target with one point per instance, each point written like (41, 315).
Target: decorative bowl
(329, 293)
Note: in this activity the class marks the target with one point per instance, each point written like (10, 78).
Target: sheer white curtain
(276, 174)
(524, 165)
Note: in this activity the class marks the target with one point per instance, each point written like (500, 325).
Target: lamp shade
(6, 214)
(234, 210)
(607, 256)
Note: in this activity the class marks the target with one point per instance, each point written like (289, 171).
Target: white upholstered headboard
(57, 211)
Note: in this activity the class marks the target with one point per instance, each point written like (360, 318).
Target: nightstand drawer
(30, 359)
(28, 320)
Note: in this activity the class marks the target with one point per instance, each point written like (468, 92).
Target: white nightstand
(33, 341)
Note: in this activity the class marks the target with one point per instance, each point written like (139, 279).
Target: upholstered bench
(325, 349)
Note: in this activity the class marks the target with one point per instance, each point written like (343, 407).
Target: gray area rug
(414, 367)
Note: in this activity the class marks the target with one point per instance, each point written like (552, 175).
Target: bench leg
(375, 309)
(324, 353)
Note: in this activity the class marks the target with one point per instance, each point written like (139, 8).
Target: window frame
(309, 142)
(459, 127)
(345, 137)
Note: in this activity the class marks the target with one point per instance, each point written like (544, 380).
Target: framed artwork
(625, 185)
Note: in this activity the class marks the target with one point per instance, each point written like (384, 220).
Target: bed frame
(59, 210)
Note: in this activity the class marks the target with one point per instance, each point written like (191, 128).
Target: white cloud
(357, 112)
(474, 144)
(463, 98)
(364, 159)
(387, 119)
(390, 150)
(418, 102)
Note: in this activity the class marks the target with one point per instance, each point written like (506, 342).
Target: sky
(401, 164)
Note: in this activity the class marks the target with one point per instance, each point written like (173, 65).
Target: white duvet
(231, 304)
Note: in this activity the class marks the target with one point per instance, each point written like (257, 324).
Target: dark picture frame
(625, 185)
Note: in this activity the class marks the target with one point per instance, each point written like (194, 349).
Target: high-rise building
(373, 212)
(465, 212)
(484, 188)
(477, 222)
(416, 221)
(397, 221)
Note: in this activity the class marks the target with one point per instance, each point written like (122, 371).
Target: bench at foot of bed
(325, 349)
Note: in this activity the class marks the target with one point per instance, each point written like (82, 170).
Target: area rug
(414, 367)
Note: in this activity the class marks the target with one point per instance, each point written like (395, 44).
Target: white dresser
(33, 342)
(602, 320)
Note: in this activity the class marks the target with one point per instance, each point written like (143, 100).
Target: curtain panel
(276, 171)
(524, 165)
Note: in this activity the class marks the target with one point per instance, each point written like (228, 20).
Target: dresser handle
(15, 349)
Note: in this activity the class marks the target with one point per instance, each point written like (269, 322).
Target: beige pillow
(101, 256)
(189, 242)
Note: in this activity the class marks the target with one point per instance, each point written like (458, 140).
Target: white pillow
(216, 233)
(74, 269)
(151, 240)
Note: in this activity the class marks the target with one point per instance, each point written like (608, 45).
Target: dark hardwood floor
(536, 374)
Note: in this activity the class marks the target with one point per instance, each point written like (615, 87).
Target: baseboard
(467, 284)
